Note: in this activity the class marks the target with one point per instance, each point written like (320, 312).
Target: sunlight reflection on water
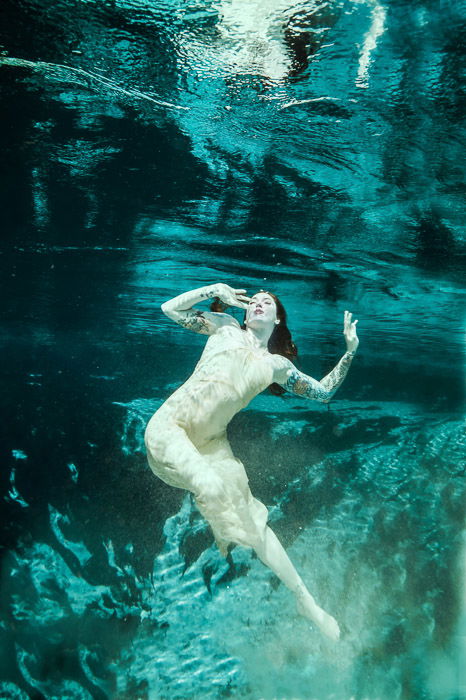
(313, 149)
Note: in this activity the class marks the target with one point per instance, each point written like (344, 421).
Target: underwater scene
(314, 150)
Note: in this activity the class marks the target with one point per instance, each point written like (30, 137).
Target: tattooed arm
(301, 384)
(180, 309)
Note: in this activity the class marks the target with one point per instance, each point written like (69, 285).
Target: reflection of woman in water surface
(186, 438)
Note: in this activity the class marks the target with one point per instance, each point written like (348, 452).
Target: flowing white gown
(187, 443)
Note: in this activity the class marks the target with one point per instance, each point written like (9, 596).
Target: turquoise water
(315, 150)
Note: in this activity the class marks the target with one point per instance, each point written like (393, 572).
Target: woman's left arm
(333, 379)
(301, 384)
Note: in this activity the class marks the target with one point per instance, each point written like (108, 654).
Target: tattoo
(207, 295)
(195, 321)
(302, 385)
(333, 380)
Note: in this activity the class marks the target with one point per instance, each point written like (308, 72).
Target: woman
(186, 439)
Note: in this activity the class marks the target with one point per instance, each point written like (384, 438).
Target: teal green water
(311, 149)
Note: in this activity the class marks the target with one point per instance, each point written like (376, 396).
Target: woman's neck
(259, 337)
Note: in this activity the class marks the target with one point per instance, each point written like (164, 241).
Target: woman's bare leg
(272, 554)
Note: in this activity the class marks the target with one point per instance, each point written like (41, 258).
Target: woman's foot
(307, 607)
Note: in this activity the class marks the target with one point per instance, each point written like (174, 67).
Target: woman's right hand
(230, 296)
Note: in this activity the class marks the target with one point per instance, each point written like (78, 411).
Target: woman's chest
(228, 355)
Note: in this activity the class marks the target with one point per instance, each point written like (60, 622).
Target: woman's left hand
(349, 331)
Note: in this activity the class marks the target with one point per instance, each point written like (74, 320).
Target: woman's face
(261, 309)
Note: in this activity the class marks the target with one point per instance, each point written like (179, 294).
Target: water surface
(312, 149)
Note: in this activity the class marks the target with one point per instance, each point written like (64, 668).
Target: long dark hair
(280, 342)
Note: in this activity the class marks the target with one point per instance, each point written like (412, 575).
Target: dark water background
(316, 150)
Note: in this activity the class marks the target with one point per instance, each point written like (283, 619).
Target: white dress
(187, 442)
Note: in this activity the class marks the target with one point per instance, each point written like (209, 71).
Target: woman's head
(265, 307)
(261, 310)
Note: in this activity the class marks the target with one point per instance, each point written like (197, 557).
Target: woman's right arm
(180, 309)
